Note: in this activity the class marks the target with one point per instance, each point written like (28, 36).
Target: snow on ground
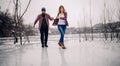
(78, 53)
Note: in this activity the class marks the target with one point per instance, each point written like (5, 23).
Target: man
(43, 19)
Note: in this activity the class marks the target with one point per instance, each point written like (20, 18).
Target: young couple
(44, 18)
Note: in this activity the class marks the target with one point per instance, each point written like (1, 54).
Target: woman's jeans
(62, 29)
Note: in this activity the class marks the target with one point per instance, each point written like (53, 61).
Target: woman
(62, 23)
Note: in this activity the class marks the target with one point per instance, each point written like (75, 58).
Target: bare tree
(109, 14)
(91, 22)
(18, 16)
(79, 31)
(104, 22)
(84, 25)
(118, 16)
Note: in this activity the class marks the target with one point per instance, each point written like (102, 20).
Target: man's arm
(51, 18)
(36, 21)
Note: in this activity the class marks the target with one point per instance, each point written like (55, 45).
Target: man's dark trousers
(44, 35)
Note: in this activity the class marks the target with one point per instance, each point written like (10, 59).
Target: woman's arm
(51, 18)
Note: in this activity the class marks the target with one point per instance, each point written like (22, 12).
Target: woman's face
(61, 10)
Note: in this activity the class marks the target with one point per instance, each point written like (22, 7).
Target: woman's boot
(63, 46)
(59, 44)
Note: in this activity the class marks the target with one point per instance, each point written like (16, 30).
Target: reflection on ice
(63, 60)
(44, 57)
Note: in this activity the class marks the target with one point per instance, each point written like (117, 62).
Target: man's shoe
(46, 45)
(42, 46)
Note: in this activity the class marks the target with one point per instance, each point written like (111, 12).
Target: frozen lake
(78, 53)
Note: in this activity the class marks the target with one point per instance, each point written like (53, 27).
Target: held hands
(52, 18)
(57, 17)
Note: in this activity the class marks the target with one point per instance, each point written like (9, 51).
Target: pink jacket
(40, 18)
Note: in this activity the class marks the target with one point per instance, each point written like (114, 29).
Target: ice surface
(84, 53)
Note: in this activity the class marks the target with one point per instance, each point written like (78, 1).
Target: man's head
(43, 10)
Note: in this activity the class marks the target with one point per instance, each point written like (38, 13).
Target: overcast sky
(76, 9)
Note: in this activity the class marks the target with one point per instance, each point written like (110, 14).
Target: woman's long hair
(63, 9)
